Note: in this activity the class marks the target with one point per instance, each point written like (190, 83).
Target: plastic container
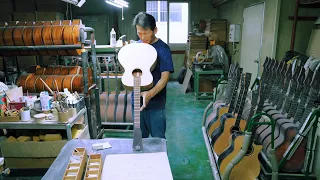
(113, 39)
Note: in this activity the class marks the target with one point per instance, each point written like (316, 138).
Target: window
(177, 22)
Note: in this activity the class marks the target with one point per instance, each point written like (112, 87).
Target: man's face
(146, 35)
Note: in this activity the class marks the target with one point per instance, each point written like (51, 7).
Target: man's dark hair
(144, 20)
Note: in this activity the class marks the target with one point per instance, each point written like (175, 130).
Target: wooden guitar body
(17, 36)
(129, 109)
(58, 83)
(47, 36)
(265, 130)
(120, 107)
(288, 132)
(22, 80)
(71, 35)
(265, 136)
(64, 70)
(30, 84)
(213, 114)
(2, 29)
(226, 129)
(111, 108)
(144, 61)
(40, 71)
(37, 36)
(49, 70)
(215, 123)
(39, 86)
(50, 81)
(73, 83)
(249, 167)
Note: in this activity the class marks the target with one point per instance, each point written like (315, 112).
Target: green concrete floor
(187, 153)
(186, 149)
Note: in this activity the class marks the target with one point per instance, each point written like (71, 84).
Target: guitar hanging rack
(46, 38)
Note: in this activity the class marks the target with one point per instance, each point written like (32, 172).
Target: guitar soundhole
(136, 71)
(234, 129)
(249, 151)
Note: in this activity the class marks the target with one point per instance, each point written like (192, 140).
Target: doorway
(251, 41)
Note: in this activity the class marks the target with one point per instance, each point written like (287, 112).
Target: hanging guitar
(265, 130)
(217, 104)
(289, 130)
(270, 108)
(138, 60)
(227, 109)
(249, 166)
(228, 126)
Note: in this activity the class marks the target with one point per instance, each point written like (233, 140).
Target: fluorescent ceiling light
(78, 3)
(118, 3)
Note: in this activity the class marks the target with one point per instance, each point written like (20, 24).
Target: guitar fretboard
(136, 102)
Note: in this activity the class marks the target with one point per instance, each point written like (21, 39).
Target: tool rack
(95, 131)
(269, 167)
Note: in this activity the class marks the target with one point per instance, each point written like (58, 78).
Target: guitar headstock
(315, 83)
(296, 73)
(283, 67)
(266, 63)
(301, 76)
(231, 71)
(288, 73)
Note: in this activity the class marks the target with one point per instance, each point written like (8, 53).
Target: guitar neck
(230, 84)
(299, 87)
(285, 87)
(245, 82)
(136, 104)
(303, 97)
(235, 91)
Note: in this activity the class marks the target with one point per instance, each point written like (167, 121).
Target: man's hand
(146, 95)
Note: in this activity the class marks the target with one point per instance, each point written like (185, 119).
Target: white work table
(121, 160)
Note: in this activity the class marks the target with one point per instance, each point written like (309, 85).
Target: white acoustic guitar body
(139, 56)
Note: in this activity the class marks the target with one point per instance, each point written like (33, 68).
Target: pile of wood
(196, 44)
(216, 30)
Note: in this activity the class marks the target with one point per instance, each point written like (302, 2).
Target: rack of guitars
(275, 136)
(56, 38)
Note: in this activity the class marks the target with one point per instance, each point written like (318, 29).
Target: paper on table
(144, 166)
(98, 146)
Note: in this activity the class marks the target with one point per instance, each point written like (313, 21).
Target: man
(152, 115)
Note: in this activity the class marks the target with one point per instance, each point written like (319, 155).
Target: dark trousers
(153, 121)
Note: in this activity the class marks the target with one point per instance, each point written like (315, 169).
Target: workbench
(119, 146)
(197, 75)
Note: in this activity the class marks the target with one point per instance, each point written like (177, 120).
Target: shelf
(46, 125)
(117, 123)
(103, 49)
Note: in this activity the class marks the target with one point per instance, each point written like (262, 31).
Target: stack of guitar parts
(196, 44)
(287, 92)
(116, 107)
(41, 33)
(217, 30)
(56, 77)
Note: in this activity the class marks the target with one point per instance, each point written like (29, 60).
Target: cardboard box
(31, 154)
